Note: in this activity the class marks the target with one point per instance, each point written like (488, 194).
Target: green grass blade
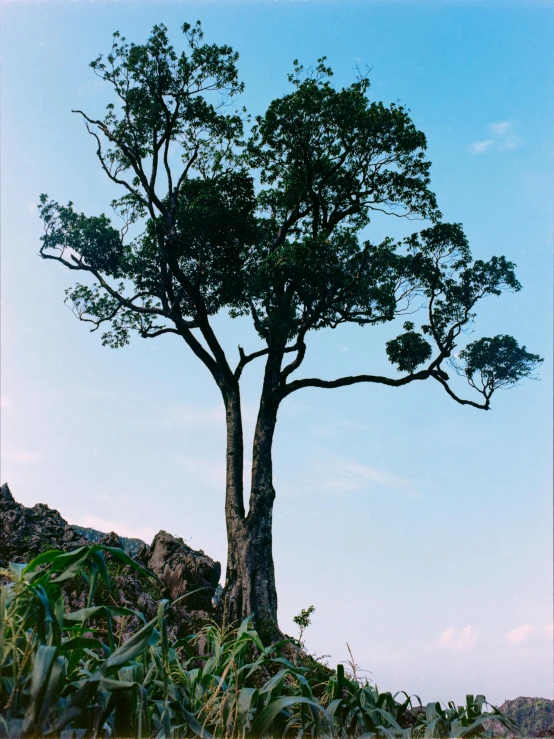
(265, 718)
(245, 699)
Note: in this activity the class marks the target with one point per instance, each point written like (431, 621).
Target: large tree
(268, 223)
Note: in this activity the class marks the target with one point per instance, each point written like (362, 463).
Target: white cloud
(459, 640)
(519, 635)
(342, 485)
(481, 146)
(500, 129)
(503, 138)
(528, 633)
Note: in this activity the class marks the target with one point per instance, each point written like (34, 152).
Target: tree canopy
(287, 252)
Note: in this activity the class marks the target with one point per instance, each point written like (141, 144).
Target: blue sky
(420, 530)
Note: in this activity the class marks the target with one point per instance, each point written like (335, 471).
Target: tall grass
(81, 675)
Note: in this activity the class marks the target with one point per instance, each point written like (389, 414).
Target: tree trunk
(250, 578)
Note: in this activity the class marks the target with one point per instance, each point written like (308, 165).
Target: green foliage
(304, 617)
(318, 147)
(286, 253)
(408, 350)
(497, 362)
(533, 716)
(72, 674)
(303, 620)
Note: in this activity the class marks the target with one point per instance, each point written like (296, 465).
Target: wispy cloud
(519, 635)
(527, 633)
(479, 147)
(500, 129)
(352, 476)
(342, 485)
(458, 640)
(503, 138)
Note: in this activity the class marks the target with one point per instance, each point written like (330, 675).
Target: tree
(268, 224)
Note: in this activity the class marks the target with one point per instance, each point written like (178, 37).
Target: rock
(533, 716)
(111, 540)
(184, 570)
(129, 545)
(26, 532)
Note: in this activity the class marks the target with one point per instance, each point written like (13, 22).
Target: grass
(81, 675)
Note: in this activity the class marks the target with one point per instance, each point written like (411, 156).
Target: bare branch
(153, 334)
(482, 406)
(300, 347)
(353, 380)
(247, 358)
(135, 163)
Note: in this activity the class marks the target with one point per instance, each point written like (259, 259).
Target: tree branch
(482, 406)
(300, 347)
(353, 380)
(202, 320)
(134, 161)
(246, 358)
(153, 334)
(124, 302)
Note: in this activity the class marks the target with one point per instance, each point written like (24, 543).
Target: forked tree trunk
(250, 578)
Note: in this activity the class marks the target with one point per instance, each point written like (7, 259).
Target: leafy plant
(303, 620)
(79, 675)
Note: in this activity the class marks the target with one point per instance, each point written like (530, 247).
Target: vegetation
(199, 237)
(533, 717)
(303, 620)
(73, 675)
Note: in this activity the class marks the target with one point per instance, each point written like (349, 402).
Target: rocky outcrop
(129, 545)
(533, 716)
(182, 569)
(26, 532)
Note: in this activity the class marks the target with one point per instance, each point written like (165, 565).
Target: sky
(419, 529)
